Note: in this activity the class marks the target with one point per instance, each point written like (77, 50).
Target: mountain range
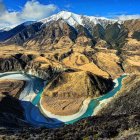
(72, 62)
(112, 31)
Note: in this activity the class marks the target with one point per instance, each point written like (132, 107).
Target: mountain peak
(71, 18)
(75, 19)
(65, 13)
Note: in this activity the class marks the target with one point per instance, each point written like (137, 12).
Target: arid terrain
(79, 62)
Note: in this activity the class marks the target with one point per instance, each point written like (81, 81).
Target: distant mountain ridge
(72, 19)
(75, 19)
(77, 29)
(79, 57)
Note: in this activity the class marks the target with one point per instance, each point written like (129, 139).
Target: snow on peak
(69, 17)
(2, 29)
(74, 19)
(27, 23)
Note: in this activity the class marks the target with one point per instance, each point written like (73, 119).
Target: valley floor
(30, 93)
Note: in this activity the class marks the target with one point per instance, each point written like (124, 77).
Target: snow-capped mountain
(5, 29)
(27, 23)
(58, 25)
(75, 19)
(25, 27)
(8, 28)
(72, 19)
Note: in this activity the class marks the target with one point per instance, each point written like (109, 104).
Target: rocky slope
(127, 100)
(85, 54)
(105, 127)
(11, 87)
(65, 95)
(75, 19)
(119, 120)
(11, 111)
(20, 33)
(30, 63)
(67, 28)
(109, 62)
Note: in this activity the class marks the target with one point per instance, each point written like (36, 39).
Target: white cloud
(35, 10)
(128, 17)
(32, 10)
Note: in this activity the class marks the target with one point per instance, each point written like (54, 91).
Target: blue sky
(17, 11)
(106, 8)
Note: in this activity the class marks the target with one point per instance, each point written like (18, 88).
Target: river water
(32, 112)
(95, 102)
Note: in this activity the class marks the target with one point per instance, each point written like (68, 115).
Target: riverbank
(69, 117)
(36, 113)
(103, 103)
(90, 106)
(63, 106)
(32, 90)
(28, 93)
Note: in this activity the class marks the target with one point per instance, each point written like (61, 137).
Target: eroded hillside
(80, 61)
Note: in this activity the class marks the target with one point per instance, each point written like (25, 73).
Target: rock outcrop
(127, 100)
(90, 85)
(105, 127)
(8, 63)
(131, 56)
(109, 62)
(11, 111)
(51, 35)
(119, 120)
(65, 95)
(11, 87)
(20, 34)
(29, 63)
(80, 62)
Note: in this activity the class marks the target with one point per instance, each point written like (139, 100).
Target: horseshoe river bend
(37, 116)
